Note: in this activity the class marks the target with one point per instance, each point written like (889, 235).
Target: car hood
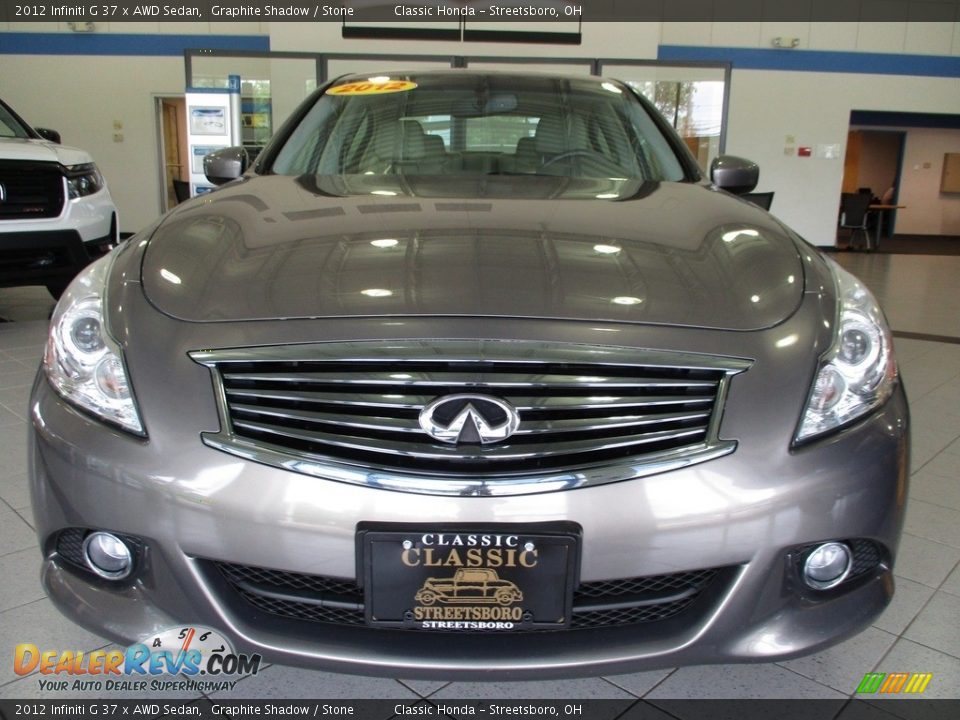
(41, 151)
(281, 247)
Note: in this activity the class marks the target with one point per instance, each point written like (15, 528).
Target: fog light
(827, 565)
(107, 555)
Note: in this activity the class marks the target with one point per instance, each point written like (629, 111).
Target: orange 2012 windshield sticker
(372, 88)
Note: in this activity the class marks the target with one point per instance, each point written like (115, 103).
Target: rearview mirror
(495, 104)
(222, 166)
(48, 134)
(734, 174)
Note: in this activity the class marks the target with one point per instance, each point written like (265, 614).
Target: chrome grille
(358, 406)
(31, 190)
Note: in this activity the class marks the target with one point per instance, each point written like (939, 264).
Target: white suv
(56, 214)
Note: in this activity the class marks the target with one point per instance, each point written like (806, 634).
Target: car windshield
(9, 126)
(475, 124)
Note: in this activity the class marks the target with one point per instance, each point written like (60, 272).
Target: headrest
(550, 136)
(434, 145)
(526, 146)
(413, 141)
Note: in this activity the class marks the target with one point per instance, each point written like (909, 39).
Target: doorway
(873, 161)
(172, 145)
(873, 166)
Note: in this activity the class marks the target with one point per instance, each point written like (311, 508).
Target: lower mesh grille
(604, 604)
(866, 556)
(275, 592)
(70, 545)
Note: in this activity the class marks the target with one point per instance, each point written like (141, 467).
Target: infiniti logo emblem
(469, 419)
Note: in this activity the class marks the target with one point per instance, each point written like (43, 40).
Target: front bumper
(92, 217)
(39, 258)
(732, 512)
(52, 251)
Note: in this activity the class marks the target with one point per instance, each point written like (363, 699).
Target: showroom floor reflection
(918, 632)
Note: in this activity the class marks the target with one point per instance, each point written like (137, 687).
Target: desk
(880, 209)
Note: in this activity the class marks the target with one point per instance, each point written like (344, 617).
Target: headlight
(82, 361)
(857, 374)
(83, 180)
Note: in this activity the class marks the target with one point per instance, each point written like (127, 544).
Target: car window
(498, 133)
(479, 125)
(9, 126)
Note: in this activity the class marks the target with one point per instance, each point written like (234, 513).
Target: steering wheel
(577, 152)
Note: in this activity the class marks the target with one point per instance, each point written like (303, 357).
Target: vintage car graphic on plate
(480, 585)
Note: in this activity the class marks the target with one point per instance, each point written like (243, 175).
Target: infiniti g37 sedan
(463, 324)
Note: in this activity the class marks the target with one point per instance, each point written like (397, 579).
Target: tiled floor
(918, 633)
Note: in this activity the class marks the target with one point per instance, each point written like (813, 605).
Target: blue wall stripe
(21, 43)
(816, 60)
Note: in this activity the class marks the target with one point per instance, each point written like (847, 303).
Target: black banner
(475, 11)
(856, 709)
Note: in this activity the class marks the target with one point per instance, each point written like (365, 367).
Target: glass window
(479, 124)
(691, 98)
(9, 126)
(498, 132)
(694, 108)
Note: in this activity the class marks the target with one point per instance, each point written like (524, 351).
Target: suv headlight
(83, 180)
(82, 362)
(857, 373)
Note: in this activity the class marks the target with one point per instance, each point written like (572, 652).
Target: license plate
(491, 580)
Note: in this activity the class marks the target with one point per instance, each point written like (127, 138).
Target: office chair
(181, 189)
(763, 200)
(854, 209)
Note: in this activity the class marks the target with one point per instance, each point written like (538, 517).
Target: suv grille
(608, 603)
(30, 190)
(308, 403)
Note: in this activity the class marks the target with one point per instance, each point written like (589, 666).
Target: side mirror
(222, 166)
(48, 134)
(734, 174)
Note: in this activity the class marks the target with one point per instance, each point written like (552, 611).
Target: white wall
(920, 38)
(928, 211)
(814, 108)
(82, 97)
(879, 156)
(767, 106)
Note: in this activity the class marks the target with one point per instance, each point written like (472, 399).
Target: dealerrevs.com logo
(201, 655)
